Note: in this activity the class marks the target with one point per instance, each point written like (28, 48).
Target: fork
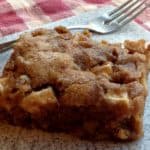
(115, 19)
(106, 23)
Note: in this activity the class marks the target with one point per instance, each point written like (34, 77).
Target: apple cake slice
(58, 81)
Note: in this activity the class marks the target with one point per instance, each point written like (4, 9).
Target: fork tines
(127, 11)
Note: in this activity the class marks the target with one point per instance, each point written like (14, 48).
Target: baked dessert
(58, 81)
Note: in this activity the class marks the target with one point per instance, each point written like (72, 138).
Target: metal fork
(108, 22)
(115, 19)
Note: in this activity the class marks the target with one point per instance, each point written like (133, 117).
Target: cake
(63, 82)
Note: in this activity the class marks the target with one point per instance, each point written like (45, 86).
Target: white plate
(23, 139)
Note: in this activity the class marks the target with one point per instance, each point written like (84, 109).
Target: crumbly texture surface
(58, 81)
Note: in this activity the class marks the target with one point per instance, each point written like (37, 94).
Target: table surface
(16, 138)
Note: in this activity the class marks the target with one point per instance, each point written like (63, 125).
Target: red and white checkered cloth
(18, 15)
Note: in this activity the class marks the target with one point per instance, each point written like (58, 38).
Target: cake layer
(59, 81)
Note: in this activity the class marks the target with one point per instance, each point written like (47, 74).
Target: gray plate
(16, 138)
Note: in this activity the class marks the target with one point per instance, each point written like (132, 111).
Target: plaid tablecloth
(18, 15)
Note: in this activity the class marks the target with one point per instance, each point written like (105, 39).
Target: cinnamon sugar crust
(59, 81)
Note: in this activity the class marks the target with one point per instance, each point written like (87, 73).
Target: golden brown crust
(55, 72)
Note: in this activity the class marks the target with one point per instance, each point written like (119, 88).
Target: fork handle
(90, 27)
(79, 27)
(6, 45)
